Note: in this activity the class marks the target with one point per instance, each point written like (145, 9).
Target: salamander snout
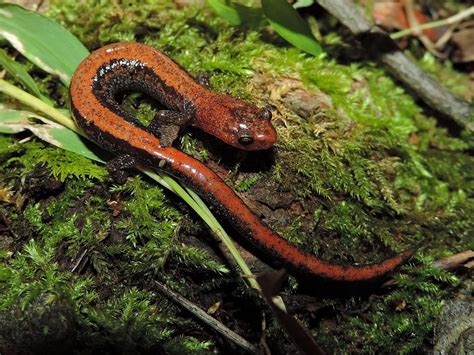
(253, 129)
(255, 136)
(237, 123)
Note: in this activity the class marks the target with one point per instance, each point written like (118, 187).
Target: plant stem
(207, 319)
(447, 21)
(38, 105)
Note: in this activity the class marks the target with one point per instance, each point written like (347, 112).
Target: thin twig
(462, 260)
(440, 43)
(414, 24)
(447, 21)
(79, 260)
(428, 89)
(210, 321)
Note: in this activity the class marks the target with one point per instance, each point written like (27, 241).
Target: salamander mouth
(254, 145)
(246, 139)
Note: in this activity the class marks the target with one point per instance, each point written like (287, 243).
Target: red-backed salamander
(122, 67)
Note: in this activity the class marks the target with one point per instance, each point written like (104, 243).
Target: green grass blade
(17, 71)
(43, 41)
(286, 21)
(198, 205)
(298, 4)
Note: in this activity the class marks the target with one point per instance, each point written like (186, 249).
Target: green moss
(63, 164)
(453, 80)
(407, 314)
(246, 184)
(30, 274)
(128, 318)
(134, 320)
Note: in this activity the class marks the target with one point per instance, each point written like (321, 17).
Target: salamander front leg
(117, 167)
(167, 124)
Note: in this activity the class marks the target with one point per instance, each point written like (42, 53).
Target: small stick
(440, 43)
(206, 318)
(447, 21)
(413, 22)
(464, 259)
(456, 261)
(79, 260)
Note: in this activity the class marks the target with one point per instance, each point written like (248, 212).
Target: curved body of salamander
(132, 66)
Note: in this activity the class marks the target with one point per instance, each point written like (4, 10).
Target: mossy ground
(369, 173)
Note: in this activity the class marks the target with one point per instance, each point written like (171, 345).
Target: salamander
(109, 71)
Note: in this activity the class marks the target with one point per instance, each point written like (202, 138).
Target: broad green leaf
(19, 73)
(236, 14)
(286, 21)
(14, 121)
(43, 41)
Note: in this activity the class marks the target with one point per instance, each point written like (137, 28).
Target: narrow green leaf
(37, 104)
(71, 141)
(14, 121)
(286, 21)
(302, 3)
(9, 120)
(20, 74)
(43, 41)
(236, 14)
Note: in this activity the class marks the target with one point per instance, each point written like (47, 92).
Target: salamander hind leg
(167, 124)
(203, 79)
(117, 167)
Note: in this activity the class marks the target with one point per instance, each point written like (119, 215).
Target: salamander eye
(245, 139)
(265, 114)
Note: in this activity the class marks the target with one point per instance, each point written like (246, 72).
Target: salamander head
(238, 123)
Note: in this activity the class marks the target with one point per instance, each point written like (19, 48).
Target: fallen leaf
(463, 38)
(391, 15)
(401, 306)
(214, 308)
